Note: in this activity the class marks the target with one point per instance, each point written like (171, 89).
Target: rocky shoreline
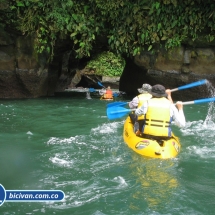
(24, 75)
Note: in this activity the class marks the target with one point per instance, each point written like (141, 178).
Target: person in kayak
(108, 93)
(137, 102)
(160, 112)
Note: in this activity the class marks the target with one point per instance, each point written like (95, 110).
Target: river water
(68, 144)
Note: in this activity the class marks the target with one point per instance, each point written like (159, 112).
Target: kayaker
(160, 112)
(137, 102)
(108, 94)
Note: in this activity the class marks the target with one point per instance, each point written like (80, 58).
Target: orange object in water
(108, 94)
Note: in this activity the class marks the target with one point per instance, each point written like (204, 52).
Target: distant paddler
(106, 93)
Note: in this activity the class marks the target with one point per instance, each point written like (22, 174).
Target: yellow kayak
(148, 147)
(107, 99)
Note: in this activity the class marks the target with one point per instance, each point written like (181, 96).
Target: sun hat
(158, 91)
(145, 88)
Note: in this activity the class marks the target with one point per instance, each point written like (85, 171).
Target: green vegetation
(129, 26)
(107, 64)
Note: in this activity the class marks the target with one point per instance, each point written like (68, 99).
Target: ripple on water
(62, 159)
(107, 128)
(61, 141)
(199, 138)
(91, 161)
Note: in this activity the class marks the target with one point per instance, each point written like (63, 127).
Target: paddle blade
(115, 94)
(91, 90)
(100, 84)
(116, 104)
(117, 112)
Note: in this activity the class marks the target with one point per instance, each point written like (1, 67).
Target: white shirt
(178, 115)
(134, 103)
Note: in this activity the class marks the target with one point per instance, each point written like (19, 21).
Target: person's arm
(169, 97)
(102, 92)
(178, 114)
(142, 110)
(134, 103)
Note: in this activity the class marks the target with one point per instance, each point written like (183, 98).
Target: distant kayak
(163, 149)
(107, 99)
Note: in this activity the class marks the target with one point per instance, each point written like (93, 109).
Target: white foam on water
(202, 135)
(202, 132)
(62, 160)
(43, 210)
(59, 141)
(199, 128)
(210, 118)
(66, 152)
(69, 183)
(202, 151)
(57, 160)
(107, 128)
(89, 190)
(121, 181)
(101, 165)
(74, 199)
(98, 213)
(102, 116)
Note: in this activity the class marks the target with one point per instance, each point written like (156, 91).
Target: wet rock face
(25, 74)
(172, 69)
(22, 73)
(173, 79)
(25, 84)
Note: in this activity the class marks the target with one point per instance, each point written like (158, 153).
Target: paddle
(194, 84)
(100, 84)
(91, 90)
(116, 112)
(117, 104)
(115, 94)
(200, 101)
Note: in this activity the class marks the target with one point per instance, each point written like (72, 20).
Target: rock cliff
(25, 74)
(172, 69)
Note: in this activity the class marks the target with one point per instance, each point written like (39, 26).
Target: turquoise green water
(69, 144)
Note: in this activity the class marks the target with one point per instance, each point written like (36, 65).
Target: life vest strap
(157, 125)
(166, 126)
(154, 120)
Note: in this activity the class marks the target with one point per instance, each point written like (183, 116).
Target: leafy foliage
(130, 26)
(107, 64)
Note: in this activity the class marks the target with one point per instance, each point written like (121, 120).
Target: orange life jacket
(108, 94)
